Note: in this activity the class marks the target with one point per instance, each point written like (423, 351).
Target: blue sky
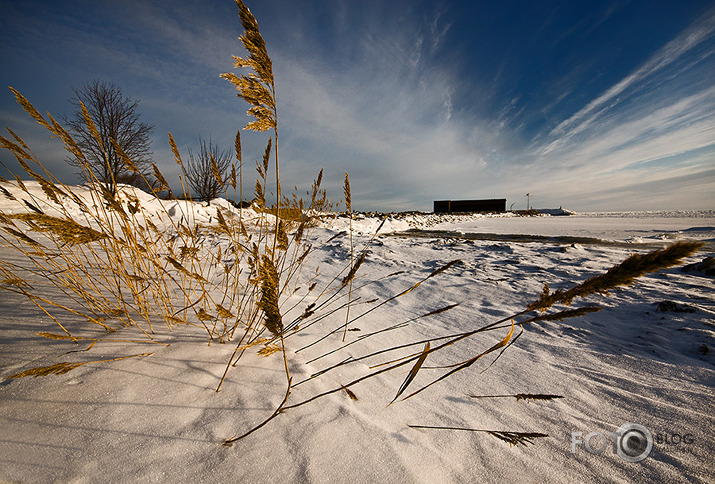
(588, 105)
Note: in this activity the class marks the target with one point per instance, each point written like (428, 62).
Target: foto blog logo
(632, 442)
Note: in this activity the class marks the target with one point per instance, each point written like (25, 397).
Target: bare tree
(207, 171)
(115, 118)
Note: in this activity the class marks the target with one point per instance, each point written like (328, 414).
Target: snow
(159, 419)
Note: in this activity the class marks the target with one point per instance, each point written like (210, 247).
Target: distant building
(455, 206)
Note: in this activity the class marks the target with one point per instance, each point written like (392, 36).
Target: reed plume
(346, 191)
(622, 274)
(64, 367)
(67, 230)
(512, 438)
(522, 396)
(269, 281)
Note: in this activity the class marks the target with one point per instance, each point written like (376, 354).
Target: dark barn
(453, 206)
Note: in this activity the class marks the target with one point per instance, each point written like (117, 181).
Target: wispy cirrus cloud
(389, 122)
(699, 33)
(654, 127)
(416, 100)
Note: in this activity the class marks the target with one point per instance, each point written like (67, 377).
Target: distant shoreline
(549, 212)
(529, 238)
(654, 213)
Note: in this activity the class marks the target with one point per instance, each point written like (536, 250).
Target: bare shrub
(207, 171)
(115, 117)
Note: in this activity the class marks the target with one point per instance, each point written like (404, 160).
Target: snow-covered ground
(159, 418)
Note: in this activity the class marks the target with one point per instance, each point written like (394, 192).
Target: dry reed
(64, 367)
(512, 438)
(113, 261)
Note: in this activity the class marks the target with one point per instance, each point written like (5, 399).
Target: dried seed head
(282, 236)
(346, 190)
(268, 303)
(620, 275)
(353, 270)
(66, 229)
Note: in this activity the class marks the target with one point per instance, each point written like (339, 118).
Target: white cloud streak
(393, 129)
(382, 102)
(674, 50)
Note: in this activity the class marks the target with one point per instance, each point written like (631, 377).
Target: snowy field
(159, 418)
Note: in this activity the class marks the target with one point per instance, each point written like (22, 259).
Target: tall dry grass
(237, 277)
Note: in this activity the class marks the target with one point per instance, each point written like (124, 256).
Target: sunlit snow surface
(159, 419)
